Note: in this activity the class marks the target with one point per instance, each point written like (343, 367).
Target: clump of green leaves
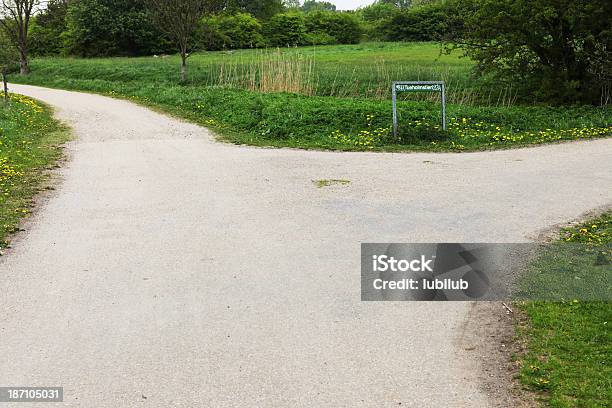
(555, 51)
(9, 58)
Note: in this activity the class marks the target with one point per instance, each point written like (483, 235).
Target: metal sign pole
(394, 110)
(443, 107)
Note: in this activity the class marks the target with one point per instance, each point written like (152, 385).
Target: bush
(430, 22)
(286, 30)
(320, 39)
(557, 52)
(260, 9)
(112, 27)
(9, 58)
(377, 12)
(240, 30)
(45, 36)
(339, 28)
(374, 16)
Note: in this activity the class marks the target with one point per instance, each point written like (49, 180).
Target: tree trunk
(4, 86)
(24, 66)
(183, 67)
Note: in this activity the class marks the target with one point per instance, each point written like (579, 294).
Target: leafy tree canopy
(552, 50)
(313, 5)
(9, 58)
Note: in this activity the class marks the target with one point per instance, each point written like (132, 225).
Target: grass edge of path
(564, 356)
(32, 124)
(234, 124)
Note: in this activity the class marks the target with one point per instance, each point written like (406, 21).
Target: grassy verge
(569, 358)
(30, 142)
(361, 70)
(241, 96)
(292, 120)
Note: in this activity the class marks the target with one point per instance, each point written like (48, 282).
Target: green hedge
(430, 22)
(338, 28)
(286, 30)
(233, 31)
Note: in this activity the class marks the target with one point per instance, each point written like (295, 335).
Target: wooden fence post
(5, 85)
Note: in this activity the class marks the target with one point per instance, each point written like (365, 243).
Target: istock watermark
(483, 272)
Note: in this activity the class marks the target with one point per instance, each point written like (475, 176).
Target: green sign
(418, 88)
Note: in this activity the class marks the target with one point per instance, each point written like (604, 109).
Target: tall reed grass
(294, 72)
(268, 72)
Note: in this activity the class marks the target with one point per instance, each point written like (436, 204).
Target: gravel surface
(169, 270)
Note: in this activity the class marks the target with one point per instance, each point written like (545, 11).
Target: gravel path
(169, 270)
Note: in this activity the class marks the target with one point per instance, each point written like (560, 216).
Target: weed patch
(331, 182)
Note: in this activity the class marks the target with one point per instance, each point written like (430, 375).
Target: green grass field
(30, 142)
(362, 70)
(569, 358)
(333, 97)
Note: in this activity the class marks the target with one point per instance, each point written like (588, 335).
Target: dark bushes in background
(550, 50)
(374, 17)
(430, 22)
(9, 58)
(47, 29)
(336, 28)
(286, 30)
(240, 30)
(112, 27)
(262, 10)
(546, 51)
(98, 28)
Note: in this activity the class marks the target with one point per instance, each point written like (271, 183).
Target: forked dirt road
(169, 270)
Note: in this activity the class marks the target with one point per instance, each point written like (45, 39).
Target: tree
(180, 20)
(557, 51)
(313, 5)
(15, 17)
(377, 12)
(435, 21)
(261, 9)
(47, 28)
(286, 30)
(98, 28)
(339, 28)
(233, 31)
(292, 4)
(402, 4)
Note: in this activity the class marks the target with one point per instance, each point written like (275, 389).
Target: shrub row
(93, 28)
(281, 119)
(100, 28)
(241, 30)
(430, 22)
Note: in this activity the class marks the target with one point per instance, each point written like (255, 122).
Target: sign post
(435, 86)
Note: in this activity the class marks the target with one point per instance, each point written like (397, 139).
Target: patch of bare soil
(488, 336)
